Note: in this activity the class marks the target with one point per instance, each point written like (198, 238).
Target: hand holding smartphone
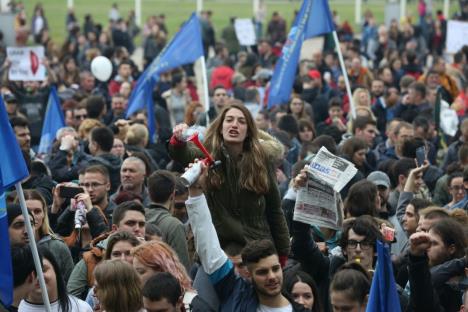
(70, 191)
(421, 155)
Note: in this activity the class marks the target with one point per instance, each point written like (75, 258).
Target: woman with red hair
(156, 256)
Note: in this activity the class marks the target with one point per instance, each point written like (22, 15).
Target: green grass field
(177, 11)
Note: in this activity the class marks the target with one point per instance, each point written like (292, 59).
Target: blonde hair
(118, 286)
(137, 134)
(87, 126)
(356, 95)
(45, 229)
(253, 156)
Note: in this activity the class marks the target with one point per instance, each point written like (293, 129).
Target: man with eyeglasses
(94, 180)
(96, 184)
(79, 114)
(357, 244)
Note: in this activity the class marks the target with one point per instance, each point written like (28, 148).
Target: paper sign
(26, 63)
(457, 36)
(245, 32)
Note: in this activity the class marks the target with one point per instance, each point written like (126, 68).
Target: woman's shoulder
(78, 305)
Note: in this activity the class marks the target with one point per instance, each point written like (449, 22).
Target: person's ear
(32, 278)
(401, 179)
(452, 249)
(179, 303)
(364, 305)
(114, 227)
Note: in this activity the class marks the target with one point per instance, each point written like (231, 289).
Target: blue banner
(185, 48)
(383, 296)
(53, 121)
(313, 19)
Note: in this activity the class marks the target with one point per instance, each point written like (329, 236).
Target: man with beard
(96, 184)
(20, 125)
(382, 181)
(263, 293)
(433, 257)
(118, 107)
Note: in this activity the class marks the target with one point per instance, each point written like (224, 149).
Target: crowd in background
(134, 237)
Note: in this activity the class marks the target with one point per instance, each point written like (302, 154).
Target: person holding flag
(172, 56)
(13, 170)
(313, 19)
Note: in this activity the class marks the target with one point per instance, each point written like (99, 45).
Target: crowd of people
(118, 229)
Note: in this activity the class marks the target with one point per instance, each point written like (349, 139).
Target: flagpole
(357, 11)
(446, 9)
(345, 74)
(32, 244)
(138, 12)
(206, 97)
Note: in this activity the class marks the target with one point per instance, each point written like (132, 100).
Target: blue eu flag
(53, 121)
(313, 19)
(185, 48)
(383, 296)
(12, 170)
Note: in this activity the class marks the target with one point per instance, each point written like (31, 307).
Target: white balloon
(101, 67)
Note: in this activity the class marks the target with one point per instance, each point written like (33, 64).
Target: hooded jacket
(240, 215)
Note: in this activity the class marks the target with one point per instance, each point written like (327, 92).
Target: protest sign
(26, 63)
(245, 32)
(457, 36)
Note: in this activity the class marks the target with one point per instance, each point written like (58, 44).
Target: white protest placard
(26, 63)
(457, 36)
(245, 31)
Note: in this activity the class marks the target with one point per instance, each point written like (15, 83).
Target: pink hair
(160, 257)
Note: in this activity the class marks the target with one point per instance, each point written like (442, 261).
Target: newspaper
(332, 169)
(319, 203)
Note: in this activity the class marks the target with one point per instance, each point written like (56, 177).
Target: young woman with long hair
(119, 247)
(59, 298)
(301, 288)
(117, 287)
(43, 233)
(242, 192)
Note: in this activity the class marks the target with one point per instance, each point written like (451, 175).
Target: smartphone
(420, 155)
(70, 191)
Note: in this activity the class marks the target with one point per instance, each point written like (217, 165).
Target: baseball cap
(379, 178)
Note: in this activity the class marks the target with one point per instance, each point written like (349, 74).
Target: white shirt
(76, 305)
(264, 308)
